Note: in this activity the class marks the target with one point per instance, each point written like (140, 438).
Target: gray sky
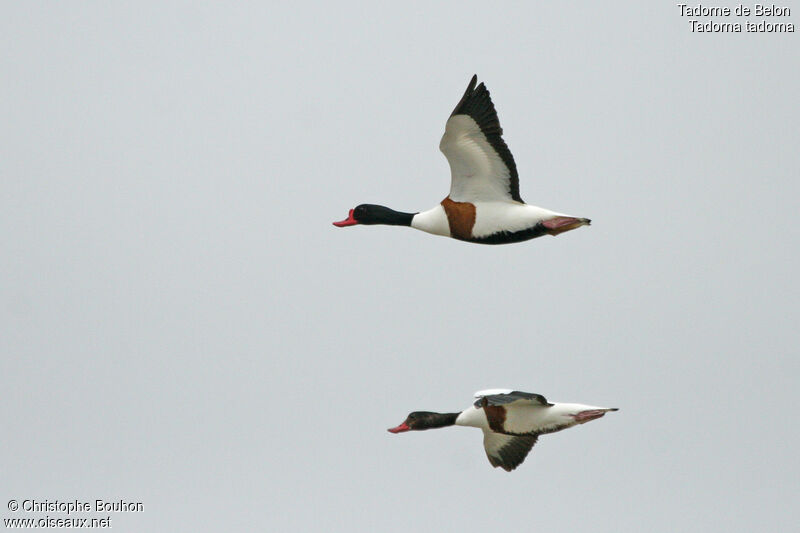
(182, 326)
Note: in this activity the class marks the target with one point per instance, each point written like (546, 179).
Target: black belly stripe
(508, 237)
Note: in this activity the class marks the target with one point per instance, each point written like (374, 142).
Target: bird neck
(440, 420)
(384, 215)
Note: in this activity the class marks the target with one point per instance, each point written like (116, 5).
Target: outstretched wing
(481, 165)
(507, 451)
(505, 397)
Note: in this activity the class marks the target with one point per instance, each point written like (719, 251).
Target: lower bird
(511, 422)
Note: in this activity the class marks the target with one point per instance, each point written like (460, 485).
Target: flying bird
(484, 205)
(511, 422)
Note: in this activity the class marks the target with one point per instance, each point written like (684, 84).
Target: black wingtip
(467, 94)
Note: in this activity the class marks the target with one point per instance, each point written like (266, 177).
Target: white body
(490, 218)
(524, 417)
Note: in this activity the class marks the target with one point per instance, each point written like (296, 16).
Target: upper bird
(484, 205)
(511, 422)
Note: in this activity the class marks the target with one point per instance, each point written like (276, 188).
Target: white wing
(491, 392)
(481, 165)
(507, 451)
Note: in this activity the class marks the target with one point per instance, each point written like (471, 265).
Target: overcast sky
(183, 327)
